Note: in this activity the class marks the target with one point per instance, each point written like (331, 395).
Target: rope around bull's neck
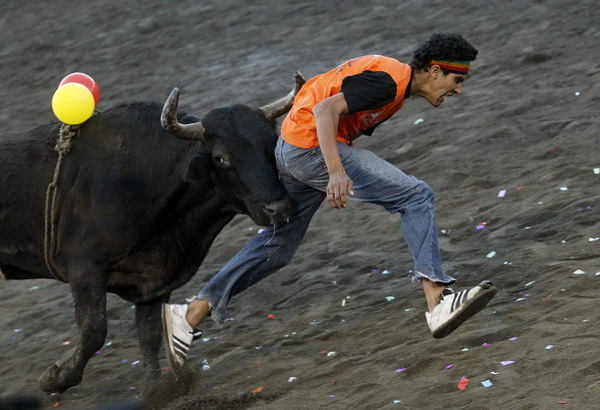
(63, 146)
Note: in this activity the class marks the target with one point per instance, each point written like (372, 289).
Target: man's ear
(435, 71)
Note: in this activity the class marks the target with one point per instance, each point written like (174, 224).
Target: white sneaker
(456, 307)
(178, 334)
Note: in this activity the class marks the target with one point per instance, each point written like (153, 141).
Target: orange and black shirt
(374, 86)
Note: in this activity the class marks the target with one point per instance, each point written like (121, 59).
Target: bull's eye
(220, 161)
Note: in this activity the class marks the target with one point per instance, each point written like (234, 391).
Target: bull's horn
(283, 105)
(168, 119)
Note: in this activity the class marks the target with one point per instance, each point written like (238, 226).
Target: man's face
(442, 85)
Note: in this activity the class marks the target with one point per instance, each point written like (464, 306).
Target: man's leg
(377, 181)
(263, 255)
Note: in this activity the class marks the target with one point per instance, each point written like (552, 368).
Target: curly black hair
(442, 46)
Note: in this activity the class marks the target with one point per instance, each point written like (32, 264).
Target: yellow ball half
(73, 103)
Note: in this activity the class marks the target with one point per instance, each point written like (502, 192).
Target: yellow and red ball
(75, 98)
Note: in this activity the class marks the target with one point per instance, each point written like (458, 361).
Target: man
(316, 160)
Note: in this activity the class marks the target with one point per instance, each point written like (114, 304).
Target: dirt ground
(349, 330)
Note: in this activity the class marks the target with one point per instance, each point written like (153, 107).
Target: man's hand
(339, 185)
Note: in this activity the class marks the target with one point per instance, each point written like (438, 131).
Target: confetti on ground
(485, 345)
(502, 193)
(494, 373)
(331, 354)
(481, 226)
(564, 188)
(397, 401)
(548, 347)
(530, 283)
(67, 343)
(491, 254)
(487, 383)
(389, 298)
(450, 366)
(386, 272)
(507, 362)
(257, 390)
(597, 171)
(270, 316)
(205, 365)
(419, 121)
(466, 349)
(400, 370)
(136, 363)
(512, 339)
(578, 272)
(292, 379)
(520, 188)
(463, 383)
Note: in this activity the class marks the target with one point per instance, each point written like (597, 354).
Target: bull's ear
(281, 106)
(168, 119)
(195, 169)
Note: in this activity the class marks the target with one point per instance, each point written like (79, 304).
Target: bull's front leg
(149, 329)
(88, 287)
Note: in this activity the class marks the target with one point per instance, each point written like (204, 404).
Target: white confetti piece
(292, 379)
(397, 401)
(564, 188)
(205, 365)
(389, 298)
(530, 283)
(507, 362)
(491, 254)
(419, 121)
(331, 354)
(548, 347)
(597, 171)
(487, 383)
(594, 239)
(502, 193)
(578, 272)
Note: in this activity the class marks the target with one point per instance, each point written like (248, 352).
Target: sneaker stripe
(456, 302)
(180, 346)
(455, 299)
(181, 342)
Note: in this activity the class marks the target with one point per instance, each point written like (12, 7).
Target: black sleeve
(368, 90)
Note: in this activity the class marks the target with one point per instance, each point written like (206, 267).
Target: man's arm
(327, 114)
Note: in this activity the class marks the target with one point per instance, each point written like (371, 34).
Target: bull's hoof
(56, 380)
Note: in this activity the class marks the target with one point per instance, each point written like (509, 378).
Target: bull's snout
(278, 211)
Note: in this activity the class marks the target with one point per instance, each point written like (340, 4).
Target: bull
(129, 209)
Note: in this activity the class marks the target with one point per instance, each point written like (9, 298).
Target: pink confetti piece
(507, 362)
(463, 383)
(67, 343)
(450, 366)
(402, 369)
(485, 345)
(512, 339)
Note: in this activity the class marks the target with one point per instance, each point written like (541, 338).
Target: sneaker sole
(168, 340)
(469, 309)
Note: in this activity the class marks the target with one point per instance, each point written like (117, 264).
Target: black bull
(136, 209)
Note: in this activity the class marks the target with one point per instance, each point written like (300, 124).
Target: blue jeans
(304, 174)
